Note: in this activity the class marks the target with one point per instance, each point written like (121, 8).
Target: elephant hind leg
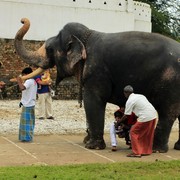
(177, 144)
(161, 135)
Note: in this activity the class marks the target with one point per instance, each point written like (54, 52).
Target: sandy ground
(69, 118)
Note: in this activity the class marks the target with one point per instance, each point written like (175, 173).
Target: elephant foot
(86, 139)
(162, 149)
(95, 144)
(177, 145)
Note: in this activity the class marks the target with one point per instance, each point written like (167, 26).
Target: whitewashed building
(47, 17)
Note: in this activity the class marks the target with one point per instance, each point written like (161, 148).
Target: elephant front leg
(95, 112)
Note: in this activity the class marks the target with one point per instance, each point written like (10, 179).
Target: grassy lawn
(129, 170)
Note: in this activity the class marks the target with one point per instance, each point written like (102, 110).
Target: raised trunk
(37, 58)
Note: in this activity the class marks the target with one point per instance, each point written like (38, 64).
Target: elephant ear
(75, 51)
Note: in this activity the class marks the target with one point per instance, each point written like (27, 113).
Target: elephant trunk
(31, 75)
(37, 58)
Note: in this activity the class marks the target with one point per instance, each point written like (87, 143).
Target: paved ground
(69, 149)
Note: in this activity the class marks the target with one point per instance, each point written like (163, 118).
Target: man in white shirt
(142, 132)
(27, 120)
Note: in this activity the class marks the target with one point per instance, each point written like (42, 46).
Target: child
(121, 129)
(45, 77)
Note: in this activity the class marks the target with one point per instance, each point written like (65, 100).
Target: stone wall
(12, 65)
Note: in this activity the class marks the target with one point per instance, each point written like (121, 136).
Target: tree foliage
(165, 17)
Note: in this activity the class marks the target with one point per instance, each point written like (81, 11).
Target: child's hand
(122, 126)
(50, 81)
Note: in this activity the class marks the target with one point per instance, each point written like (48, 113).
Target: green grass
(126, 170)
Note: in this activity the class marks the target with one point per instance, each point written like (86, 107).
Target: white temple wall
(48, 17)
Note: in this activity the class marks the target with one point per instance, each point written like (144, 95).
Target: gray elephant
(105, 63)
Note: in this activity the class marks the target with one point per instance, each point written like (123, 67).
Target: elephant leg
(95, 111)
(177, 144)
(162, 132)
(87, 137)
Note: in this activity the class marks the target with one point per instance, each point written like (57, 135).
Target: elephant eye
(69, 46)
(50, 52)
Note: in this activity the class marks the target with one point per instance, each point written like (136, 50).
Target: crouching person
(115, 129)
(121, 129)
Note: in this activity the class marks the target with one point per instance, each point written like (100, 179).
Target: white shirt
(141, 107)
(29, 94)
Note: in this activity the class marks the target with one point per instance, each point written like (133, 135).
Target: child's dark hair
(118, 113)
(27, 70)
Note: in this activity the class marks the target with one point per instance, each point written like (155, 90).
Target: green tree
(165, 17)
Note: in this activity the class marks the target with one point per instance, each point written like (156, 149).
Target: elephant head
(64, 50)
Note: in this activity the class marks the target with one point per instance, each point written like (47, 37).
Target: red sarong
(142, 135)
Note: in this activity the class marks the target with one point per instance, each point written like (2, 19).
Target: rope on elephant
(2, 91)
(11, 86)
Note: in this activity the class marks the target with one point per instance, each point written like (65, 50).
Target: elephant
(104, 63)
